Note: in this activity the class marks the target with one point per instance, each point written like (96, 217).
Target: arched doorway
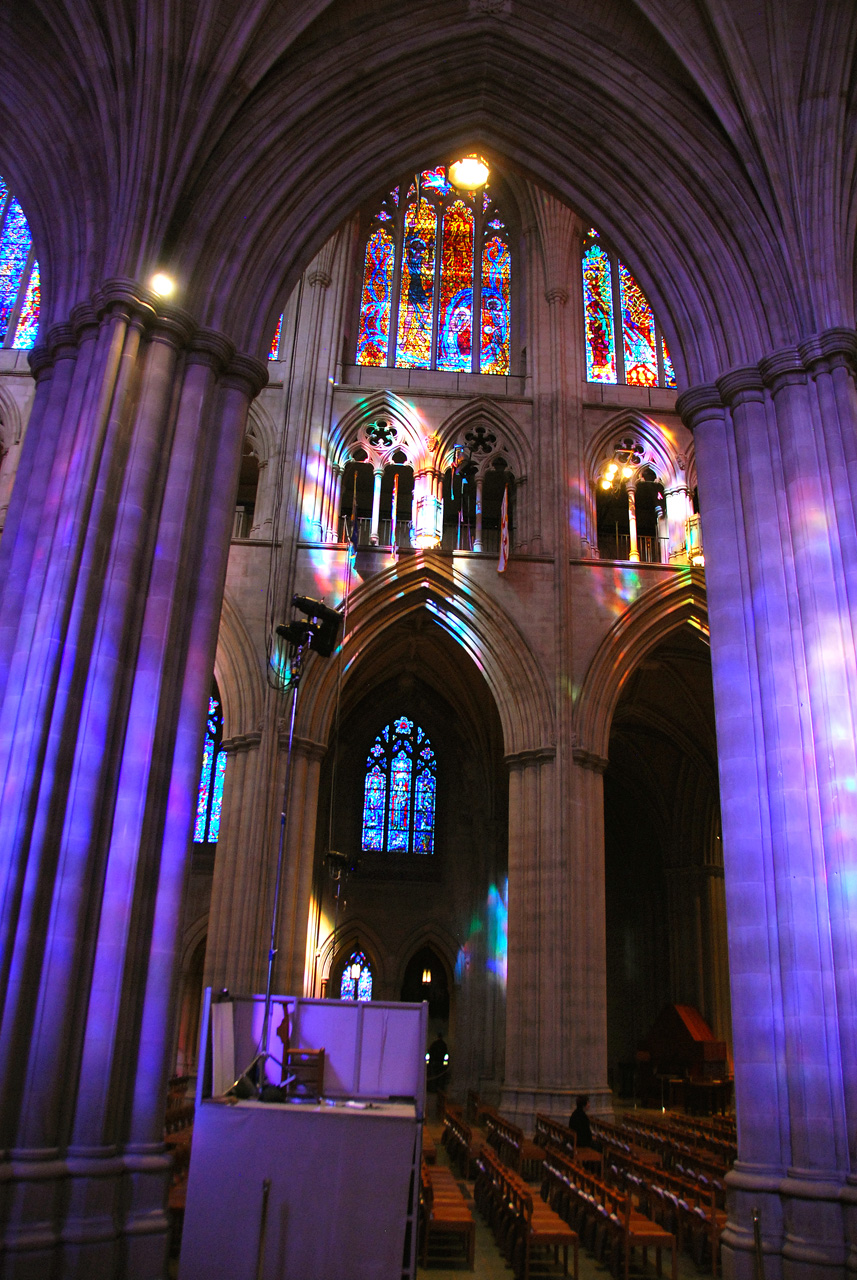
(665, 905)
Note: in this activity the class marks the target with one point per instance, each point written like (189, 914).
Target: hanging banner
(504, 533)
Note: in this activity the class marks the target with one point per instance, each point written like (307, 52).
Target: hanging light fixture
(469, 173)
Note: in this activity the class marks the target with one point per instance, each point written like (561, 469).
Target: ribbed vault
(227, 142)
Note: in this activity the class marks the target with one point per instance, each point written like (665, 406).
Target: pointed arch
(261, 431)
(355, 935)
(511, 441)
(11, 422)
(442, 943)
(677, 601)
(484, 630)
(239, 675)
(408, 435)
(660, 442)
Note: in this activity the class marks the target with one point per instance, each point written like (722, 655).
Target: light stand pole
(320, 634)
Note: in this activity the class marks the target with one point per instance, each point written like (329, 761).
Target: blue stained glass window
(356, 981)
(15, 242)
(209, 796)
(400, 791)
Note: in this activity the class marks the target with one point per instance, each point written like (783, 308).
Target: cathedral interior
(571, 450)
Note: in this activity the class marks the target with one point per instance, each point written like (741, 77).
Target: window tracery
(400, 791)
(436, 284)
(623, 340)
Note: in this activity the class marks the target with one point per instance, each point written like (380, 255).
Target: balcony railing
(617, 546)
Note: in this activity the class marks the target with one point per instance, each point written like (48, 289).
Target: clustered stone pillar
(776, 449)
(112, 567)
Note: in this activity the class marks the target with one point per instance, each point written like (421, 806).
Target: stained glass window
(209, 796)
(356, 981)
(400, 790)
(20, 284)
(377, 299)
(436, 287)
(614, 303)
(496, 281)
(273, 354)
(598, 313)
(638, 333)
(455, 338)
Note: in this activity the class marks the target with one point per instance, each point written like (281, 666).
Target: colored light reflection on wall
(498, 930)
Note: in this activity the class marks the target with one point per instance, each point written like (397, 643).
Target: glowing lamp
(164, 286)
(699, 561)
(355, 971)
(426, 977)
(605, 484)
(627, 472)
(469, 173)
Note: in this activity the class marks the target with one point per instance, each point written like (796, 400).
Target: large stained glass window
(356, 981)
(436, 288)
(20, 285)
(613, 304)
(399, 791)
(209, 797)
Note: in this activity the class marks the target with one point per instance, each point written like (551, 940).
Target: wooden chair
(445, 1213)
(303, 1072)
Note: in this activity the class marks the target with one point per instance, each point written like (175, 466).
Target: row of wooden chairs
(462, 1144)
(605, 1218)
(444, 1212)
(511, 1144)
(551, 1135)
(523, 1226)
(665, 1150)
(688, 1210)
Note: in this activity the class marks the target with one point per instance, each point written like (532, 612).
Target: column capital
(247, 374)
(699, 404)
(589, 760)
(741, 386)
(241, 742)
(211, 348)
(782, 368)
(557, 293)
(834, 348)
(526, 759)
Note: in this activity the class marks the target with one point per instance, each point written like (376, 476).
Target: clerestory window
(436, 280)
(209, 797)
(399, 791)
(623, 341)
(20, 283)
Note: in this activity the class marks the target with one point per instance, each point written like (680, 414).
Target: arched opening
(417, 684)
(665, 906)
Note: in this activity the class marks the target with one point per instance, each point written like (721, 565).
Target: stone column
(477, 540)
(634, 551)
(377, 477)
(110, 612)
(775, 451)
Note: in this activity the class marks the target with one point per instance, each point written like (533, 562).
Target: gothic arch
(11, 424)
(665, 452)
(238, 675)
(441, 942)
(353, 936)
(261, 431)
(677, 601)
(471, 617)
(379, 404)
(511, 443)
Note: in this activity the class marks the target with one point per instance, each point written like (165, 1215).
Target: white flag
(504, 532)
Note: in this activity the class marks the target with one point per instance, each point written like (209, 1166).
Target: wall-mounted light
(470, 173)
(163, 285)
(426, 977)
